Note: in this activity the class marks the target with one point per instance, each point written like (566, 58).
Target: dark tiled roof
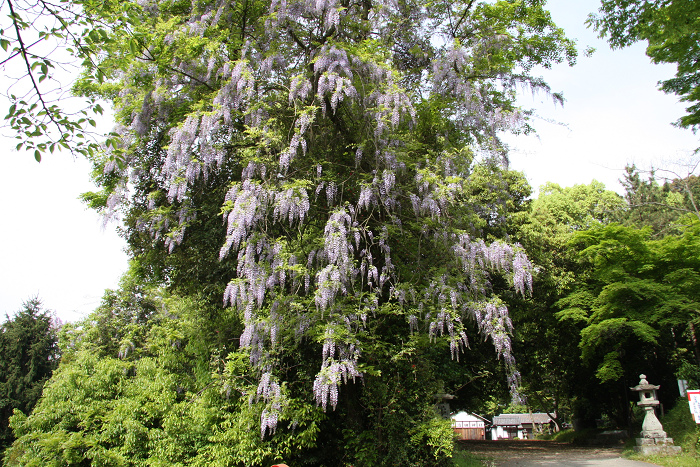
(538, 417)
(515, 419)
(506, 420)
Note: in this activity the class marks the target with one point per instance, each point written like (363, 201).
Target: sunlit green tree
(636, 305)
(546, 347)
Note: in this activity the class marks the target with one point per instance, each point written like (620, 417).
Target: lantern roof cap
(644, 385)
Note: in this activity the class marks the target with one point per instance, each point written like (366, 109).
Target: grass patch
(678, 423)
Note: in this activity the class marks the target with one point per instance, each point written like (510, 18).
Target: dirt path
(548, 453)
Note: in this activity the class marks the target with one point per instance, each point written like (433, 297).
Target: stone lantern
(652, 439)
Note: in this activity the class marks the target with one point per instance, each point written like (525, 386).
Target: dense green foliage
(610, 301)
(635, 302)
(546, 347)
(140, 383)
(28, 355)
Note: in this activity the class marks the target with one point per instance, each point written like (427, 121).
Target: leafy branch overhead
(46, 44)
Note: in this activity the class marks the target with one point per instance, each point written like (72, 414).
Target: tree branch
(464, 16)
(23, 52)
(18, 53)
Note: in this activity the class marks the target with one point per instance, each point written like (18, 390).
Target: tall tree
(546, 347)
(650, 204)
(343, 144)
(28, 355)
(671, 29)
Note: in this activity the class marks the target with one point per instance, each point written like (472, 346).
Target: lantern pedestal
(652, 439)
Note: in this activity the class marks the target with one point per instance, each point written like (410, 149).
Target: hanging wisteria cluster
(339, 365)
(310, 115)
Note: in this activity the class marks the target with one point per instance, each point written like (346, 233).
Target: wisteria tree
(337, 140)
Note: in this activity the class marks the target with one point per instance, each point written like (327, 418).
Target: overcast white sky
(52, 247)
(614, 113)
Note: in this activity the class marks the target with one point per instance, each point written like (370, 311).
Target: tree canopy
(636, 304)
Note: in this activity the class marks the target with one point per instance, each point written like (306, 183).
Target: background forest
(324, 233)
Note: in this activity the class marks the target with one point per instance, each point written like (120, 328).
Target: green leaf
(610, 369)
(37, 155)
(574, 314)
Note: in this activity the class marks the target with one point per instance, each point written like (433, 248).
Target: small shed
(520, 425)
(468, 426)
(506, 426)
